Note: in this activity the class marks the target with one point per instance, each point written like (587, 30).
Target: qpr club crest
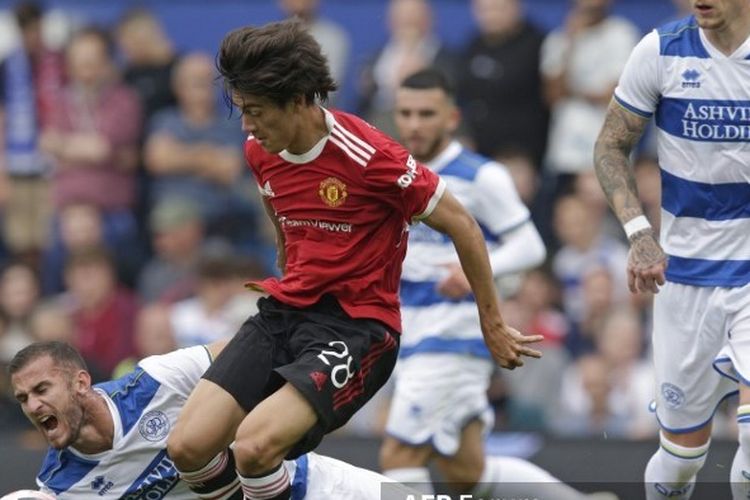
(672, 395)
(333, 192)
(154, 426)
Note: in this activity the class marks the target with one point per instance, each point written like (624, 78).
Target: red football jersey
(344, 207)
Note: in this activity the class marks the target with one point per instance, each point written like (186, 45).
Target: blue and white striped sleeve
(179, 370)
(639, 87)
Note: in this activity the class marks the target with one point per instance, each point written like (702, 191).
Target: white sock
(272, 484)
(515, 477)
(672, 469)
(217, 480)
(417, 478)
(740, 475)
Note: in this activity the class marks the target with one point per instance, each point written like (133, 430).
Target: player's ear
(299, 101)
(454, 118)
(82, 381)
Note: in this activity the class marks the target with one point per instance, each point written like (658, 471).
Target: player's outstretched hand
(647, 263)
(508, 346)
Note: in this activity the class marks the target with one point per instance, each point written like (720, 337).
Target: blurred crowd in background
(130, 221)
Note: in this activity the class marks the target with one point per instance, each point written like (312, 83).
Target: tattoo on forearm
(620, 132)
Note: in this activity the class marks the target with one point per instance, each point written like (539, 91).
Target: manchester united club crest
(333, 192)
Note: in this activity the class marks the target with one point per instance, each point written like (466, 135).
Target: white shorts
(701, 344)
(328, 478)
(435, 396)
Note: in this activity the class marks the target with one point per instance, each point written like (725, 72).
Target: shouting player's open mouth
(48, 423)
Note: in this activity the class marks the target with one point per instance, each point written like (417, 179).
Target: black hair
(278, 61)
(430, 78)
(27, 13)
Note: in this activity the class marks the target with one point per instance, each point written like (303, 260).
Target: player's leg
(737, 301)
(327, 478)
(202, 456)
(689, 333)
(434, 396)
(740, 474)
(264, 438)
(232, 386)
(337, 364)
(471, 471)
(406, 463)
(466, 467)
(406, 449)
(671, 471)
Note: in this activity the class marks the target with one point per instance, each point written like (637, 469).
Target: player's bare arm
(620, 132)
(506, 344)
(280, 252)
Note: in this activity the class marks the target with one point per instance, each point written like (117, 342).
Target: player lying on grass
(109, 440)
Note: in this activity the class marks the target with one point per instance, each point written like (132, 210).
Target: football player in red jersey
(341, 195)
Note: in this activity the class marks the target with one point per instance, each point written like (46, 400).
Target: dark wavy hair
(278, 61)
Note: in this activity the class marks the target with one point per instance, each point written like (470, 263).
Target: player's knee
(676, 463)
(255, 455)
(186, 454)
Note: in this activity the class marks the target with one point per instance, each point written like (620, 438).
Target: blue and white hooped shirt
(700, 99)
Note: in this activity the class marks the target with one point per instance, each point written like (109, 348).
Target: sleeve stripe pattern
(349, 152)
(632, 109)
(356, 139)
(357, 149)
(433, 201)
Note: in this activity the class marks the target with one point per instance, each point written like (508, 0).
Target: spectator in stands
(620, 340)
(80, 225)
(584, 247)
(19, 296)
(221, 303)
(523, 170)
(93, 139)
(586, 186)
(535, 309)
(412, 45)
(581, 63)
(194, 151)
(10, 421)
(585, 401)
(177, 234)
(30, 78)
(103, 311)
(51, 320)
(499, 85)
(598, 300)
(333, 39)
(149, 58)
(609, 390)
(153, 335)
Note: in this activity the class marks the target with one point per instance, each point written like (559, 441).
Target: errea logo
(101, 485)
(690, 79)
(405, 180)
